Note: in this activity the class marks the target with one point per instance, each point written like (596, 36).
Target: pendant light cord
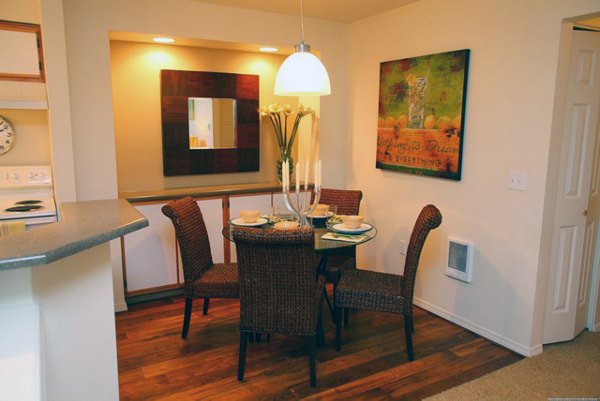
(302, 18)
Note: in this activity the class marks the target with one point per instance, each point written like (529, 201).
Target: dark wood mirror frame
(176, 88)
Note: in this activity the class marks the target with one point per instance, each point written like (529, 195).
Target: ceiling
(344, 11)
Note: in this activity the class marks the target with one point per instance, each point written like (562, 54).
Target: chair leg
(320, 331)
(408, 328)
(346, 316)
(312, 359)
(242, 355)
(205, 306)
(187, 314)
(329, 304)
(338, 328)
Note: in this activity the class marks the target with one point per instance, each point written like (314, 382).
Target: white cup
(249, 216)
(353, 221)
(320, 210)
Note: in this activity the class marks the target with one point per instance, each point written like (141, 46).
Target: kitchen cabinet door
(150, 254)
(152, 259)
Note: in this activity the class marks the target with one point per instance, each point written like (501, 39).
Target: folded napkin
(12, 227)
(344, 237)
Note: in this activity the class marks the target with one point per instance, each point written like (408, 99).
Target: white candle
(287, 175)
(306, 168)
(316, 173)
(298, 178)
(319, 174)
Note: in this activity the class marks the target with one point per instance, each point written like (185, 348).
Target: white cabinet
(151, 257)
(150, 254)
(151, 261)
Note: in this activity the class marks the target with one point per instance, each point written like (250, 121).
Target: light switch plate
(516, 180)
(403, 247)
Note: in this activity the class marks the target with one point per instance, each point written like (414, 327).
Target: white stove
(26, 193)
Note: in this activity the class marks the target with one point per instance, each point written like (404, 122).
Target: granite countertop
(199, 192)
(83, 226)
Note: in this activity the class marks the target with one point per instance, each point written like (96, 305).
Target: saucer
(341, 228)
(240, 222)
(323, 216)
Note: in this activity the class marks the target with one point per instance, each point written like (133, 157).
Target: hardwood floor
(155, 363)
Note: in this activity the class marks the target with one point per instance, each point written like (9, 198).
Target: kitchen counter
(83, 226)
(199, 192)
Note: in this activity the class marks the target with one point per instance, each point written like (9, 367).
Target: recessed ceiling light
(268, 49)
(163, 40)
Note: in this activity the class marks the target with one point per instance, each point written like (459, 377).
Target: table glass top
(333, 239)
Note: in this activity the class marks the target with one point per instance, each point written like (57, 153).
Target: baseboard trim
(153, 296)
(482, 331)
(120, 307)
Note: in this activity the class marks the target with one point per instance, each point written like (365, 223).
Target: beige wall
(87, 26)
(32, 145)
(20, 11)
(135, 73)
(510, 95)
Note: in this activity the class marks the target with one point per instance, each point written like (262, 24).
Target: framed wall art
(421, 114)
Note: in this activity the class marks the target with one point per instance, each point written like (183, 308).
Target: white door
(575, 224)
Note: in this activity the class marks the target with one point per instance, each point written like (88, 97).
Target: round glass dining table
(336, 239)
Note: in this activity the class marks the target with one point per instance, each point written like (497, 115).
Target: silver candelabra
(300, 206)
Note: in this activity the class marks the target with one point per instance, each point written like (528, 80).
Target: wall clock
(7, 135)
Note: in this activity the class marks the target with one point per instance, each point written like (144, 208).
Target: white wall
(514, 56)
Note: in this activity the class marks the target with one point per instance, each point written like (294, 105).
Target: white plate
(329, 214)
(341, 228)
(240, 222)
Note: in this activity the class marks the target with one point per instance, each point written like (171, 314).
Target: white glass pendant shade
(302, 73)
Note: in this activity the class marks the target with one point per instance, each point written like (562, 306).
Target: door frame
(552, 177)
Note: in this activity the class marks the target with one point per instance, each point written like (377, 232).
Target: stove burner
(23, 208)
(28, 202)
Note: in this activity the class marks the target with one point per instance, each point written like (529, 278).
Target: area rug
(567, 371)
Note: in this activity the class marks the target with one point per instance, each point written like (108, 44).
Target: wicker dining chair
(348, 203)
(202, 278)
(279, 288)
(385, 292)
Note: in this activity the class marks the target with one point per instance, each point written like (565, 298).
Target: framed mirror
(210, 122)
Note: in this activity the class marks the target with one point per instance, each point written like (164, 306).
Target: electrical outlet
(403, 247)
(516, 180)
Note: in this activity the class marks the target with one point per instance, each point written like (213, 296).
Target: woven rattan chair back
(430, 218)
(277, 275)
(346, 200)
(192, 236)
(279, 288)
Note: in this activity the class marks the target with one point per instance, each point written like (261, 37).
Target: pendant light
(302, 73)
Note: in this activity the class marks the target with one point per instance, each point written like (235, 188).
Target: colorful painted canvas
(421, 114)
